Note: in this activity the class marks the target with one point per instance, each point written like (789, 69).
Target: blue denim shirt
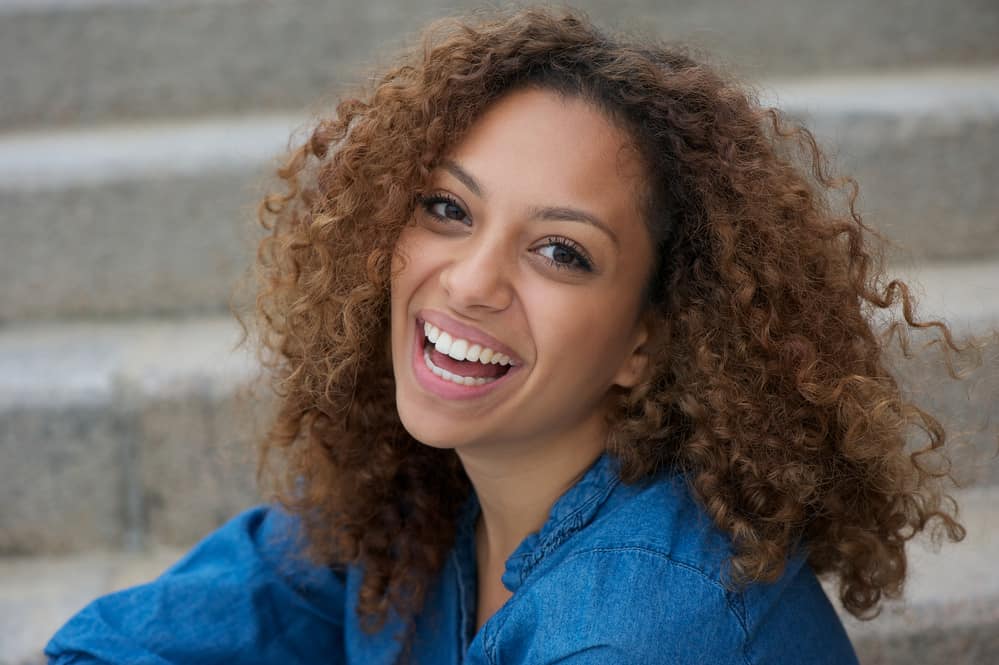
(618, 574)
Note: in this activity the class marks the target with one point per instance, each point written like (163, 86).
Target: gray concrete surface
(950, 610)
(924, 147)
(122, 434)
(63, 477)
(131, 219)
(965, 295)
(39, 594)
(159, 219)
(85, 61)
(53, 159)
(164, 246)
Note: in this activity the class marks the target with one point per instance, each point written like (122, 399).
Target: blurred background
(136, 137)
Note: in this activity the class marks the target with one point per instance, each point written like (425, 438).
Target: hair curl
(770, 387)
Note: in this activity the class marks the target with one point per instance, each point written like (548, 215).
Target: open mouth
(456, 367)
(461, 372)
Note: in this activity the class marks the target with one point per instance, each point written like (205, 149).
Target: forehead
(553, 149)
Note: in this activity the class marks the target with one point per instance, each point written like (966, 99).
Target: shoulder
(242, 593)
(627, 587)
(626, 603)
(645, 582)
(660, 516)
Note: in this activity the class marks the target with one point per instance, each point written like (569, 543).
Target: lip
(448, 389)
(473, 335)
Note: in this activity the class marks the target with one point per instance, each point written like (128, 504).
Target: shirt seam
(489, 643)
(560, 535)
(461, 605)
(600, 495)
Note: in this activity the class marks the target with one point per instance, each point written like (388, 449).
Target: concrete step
(950, 611)
(38, 594)
(147, 220)
(98, 60)
(949, 616)
(923, 146)
(123, 434)
(130, 220)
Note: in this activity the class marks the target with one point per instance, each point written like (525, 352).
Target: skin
(486, 260)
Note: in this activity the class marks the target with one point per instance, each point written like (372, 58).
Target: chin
(429, 429)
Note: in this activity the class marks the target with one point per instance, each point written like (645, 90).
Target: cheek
(576, 325)
(414, 265)
(406, 263)
(585, 335)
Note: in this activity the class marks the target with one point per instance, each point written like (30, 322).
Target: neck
(517, 485)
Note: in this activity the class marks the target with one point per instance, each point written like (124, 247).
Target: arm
(241, 595)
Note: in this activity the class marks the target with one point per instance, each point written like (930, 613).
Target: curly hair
(770, 387)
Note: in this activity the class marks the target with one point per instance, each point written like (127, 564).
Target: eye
(444, 208)
(563, 253)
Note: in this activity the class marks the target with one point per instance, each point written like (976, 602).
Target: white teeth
(500, 359)
(455, 378)
(458, 349)
(443, 343)
(462, 349)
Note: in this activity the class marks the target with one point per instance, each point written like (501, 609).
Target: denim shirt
(618, 574)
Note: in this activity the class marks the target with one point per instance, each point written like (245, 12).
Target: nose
(477, 275)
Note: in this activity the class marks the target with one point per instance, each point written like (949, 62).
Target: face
(516, 291)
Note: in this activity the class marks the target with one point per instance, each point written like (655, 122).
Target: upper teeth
(462, 349)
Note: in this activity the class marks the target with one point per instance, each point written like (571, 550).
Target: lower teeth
(460, 380)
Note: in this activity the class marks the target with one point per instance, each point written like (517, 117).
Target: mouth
(456, 368)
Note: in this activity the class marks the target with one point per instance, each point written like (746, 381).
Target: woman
(575, 365)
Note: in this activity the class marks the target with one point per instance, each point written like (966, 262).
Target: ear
(635, 364)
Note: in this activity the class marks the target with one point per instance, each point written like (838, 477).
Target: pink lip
(442, 387)
(473, 335)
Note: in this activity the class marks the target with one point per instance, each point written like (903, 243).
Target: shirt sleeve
(244, 594)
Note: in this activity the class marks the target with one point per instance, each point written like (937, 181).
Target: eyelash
(578, 255)
(582, 261)
(428, 202)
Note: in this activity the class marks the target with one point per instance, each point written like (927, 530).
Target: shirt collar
(571, 512)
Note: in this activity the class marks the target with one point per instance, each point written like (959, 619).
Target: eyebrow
(544, 213)
(567, 214)
(464, 176)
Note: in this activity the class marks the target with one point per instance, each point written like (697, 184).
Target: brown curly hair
(770, 388)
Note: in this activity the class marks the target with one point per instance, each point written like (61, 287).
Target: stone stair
(101, 61)
(136, 138)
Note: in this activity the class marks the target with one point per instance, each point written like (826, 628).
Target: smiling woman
(575, 364)
(488, 263)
